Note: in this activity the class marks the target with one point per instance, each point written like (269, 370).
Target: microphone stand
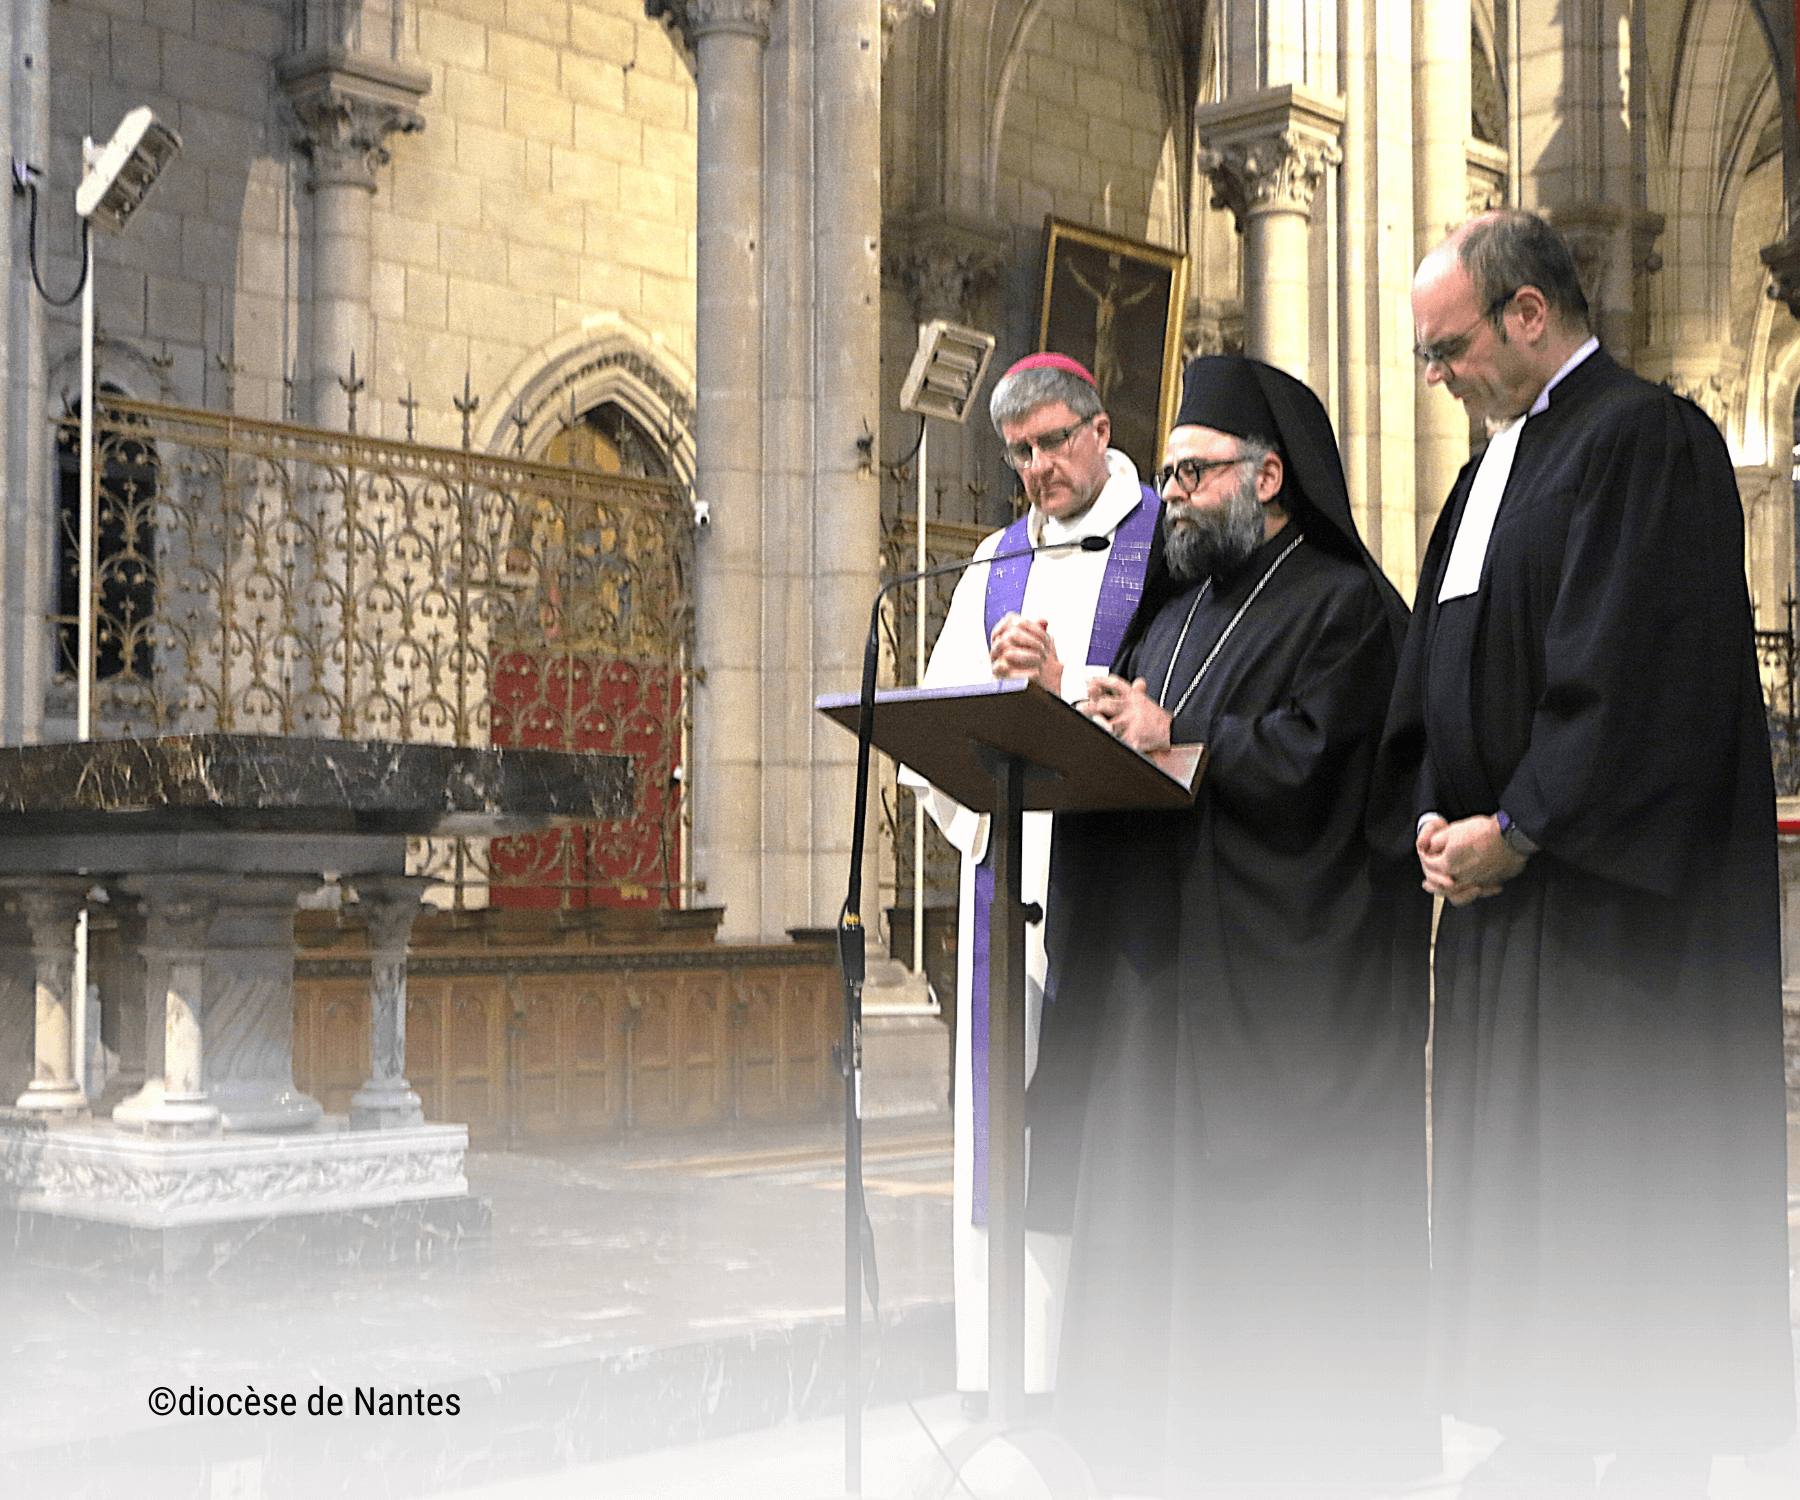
(852, 960)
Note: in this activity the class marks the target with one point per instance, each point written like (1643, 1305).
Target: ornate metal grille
(261, 578)
(945, 542)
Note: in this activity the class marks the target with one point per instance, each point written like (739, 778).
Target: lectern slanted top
(950, 735)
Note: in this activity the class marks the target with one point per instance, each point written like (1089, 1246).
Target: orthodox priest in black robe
(1579, 734)
(1229, 1105)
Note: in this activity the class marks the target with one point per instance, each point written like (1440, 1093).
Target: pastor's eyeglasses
(1445, 352)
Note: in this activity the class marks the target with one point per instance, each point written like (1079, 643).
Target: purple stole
(1120, 587)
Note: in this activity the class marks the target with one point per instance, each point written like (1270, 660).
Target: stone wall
(1084, 122)
(550, 192)
(167, 290)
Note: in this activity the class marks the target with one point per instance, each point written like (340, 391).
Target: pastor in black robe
(1228, 1110)
(1610, 1263)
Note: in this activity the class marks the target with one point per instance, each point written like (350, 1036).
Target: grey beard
(1211, 544)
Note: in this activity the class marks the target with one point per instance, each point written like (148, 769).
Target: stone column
(347, 104)
(1767, 495)
(727, 38)
(116, 966)
(153, 970)
(178, 913)
(1266, 154)
(391, 903)
(50, 905)
(27, 527)
(1440, 111)
(845, 508)
(250, 1005)
(18, 1005)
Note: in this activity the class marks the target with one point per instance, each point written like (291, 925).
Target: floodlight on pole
(121, 173)
(119, 177)
(946, 370)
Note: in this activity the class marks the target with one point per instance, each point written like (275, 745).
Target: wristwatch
(1515, 837)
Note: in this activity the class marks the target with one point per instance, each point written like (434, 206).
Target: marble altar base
(906, 1047)
(100, 1196)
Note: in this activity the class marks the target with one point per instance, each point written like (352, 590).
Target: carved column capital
(1213, 326)
(1646, 230)
(689, 20)
(1783, 262)
(893, 12)
(1488, 167)
(347, 106)
(1713, 394)
(1600, 236)
(947, 269)
(1267, 152)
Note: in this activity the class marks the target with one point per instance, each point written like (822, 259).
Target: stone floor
(625, 1302)
(653, 1323)
(805, 1462)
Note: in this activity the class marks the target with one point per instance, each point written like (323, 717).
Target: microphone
(1085, 544)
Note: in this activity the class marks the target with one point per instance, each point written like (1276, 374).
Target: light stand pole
(84, 628)
(941, 382)
(116, 178)
(84, 610)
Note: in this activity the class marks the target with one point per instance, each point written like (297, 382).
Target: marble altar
(204, 844)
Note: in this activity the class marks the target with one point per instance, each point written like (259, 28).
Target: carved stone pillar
(153, 970)
(116, 966)
(178, 913)
(18, 1005)
(347, 104)
(1487, 171)
(391, 903)
(49, 904)
(250, 1005)
(1266, 154)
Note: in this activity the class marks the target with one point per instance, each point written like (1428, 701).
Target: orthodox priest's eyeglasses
(1027, 451)
(1445, 352)
(1189, 473)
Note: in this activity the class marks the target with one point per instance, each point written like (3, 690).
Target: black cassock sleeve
(1633, 738)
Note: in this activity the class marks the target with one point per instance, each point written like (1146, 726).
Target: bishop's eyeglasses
(1027, 451)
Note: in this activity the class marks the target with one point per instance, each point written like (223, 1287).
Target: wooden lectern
(1007, 748)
